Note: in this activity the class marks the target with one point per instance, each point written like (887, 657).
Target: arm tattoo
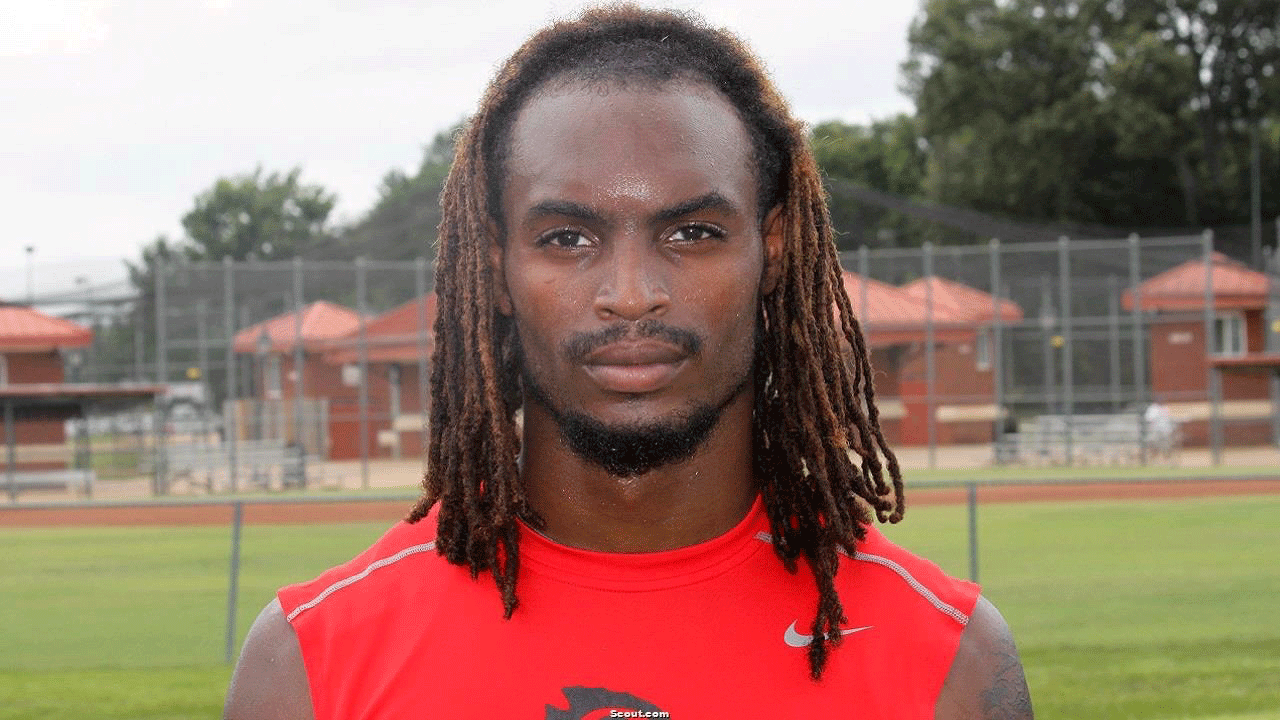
(1007, 698)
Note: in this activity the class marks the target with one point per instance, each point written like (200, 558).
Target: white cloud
(52, 27)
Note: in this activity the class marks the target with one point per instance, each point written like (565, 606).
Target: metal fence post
(1212, 373)
(363, 311)
(1048, 322)
(230, 416)
(1271, 263)
(995, 348)
(159, 471)
(930, 369)
(11, 449)
(139, 320)
(299, 371)
(1113, 339)
(1139, 346)
(202, 345)
(233, 585)
(202, 363)
(1068, 356)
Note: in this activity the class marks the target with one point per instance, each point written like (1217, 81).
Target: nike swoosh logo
(798, 640)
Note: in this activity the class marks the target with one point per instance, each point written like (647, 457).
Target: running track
(207, 512)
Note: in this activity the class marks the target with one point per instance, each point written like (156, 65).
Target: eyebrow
(567, 208)
(564, 208)
(711, 201)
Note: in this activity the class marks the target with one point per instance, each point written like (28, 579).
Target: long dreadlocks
(817, 438)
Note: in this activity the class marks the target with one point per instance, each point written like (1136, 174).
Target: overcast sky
(116, 113)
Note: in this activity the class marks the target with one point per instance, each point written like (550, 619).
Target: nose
(633, 285)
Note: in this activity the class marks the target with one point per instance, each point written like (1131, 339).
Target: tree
(886, 155)
(246, 217)
(1123, 112)
(254, 216)
(257, 216)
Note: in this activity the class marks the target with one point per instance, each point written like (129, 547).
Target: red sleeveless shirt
(716, 630)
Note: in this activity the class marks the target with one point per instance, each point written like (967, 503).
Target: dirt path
(320, 512)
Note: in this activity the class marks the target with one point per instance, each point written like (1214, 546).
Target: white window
(1228, 335)
(982, 351)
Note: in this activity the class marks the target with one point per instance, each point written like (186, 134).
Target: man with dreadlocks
(635, 254)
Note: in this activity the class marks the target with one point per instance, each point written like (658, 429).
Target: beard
(632, 449)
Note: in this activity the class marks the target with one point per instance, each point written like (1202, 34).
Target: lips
(634, 367)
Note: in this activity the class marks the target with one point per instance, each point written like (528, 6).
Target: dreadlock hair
(816, 433)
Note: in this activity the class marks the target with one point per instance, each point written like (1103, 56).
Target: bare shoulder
(270, 681)
(986, 681)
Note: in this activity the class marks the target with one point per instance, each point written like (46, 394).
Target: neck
(668, 507)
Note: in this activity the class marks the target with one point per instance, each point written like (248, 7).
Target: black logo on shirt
(598, 703)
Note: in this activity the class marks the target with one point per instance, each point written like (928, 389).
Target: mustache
(579, 345)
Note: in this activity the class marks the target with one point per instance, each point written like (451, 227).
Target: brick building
(32, 348)
(896, 323)
(397, 347)
(1240, 353)
(267, 407)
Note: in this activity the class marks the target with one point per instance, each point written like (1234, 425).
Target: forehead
(600, 144)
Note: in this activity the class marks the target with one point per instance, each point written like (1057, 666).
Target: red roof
(967, 302)
(398, 335)
(322, 322)
(1235, 287)
(893, 316)
(25, 328)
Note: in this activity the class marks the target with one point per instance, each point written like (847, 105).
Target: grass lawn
(1129, 610)
(1162, 610)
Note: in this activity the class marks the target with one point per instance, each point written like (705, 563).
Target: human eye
(564, 239)
(695, 233)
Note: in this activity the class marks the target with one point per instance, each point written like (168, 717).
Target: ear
(501, 298)
(772, 235)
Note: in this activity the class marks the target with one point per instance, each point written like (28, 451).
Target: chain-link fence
(1045, 351)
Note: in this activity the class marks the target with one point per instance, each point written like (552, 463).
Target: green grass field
(1161, 609)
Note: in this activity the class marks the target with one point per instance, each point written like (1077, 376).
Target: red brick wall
(344, 430)
(958, 381)
(1179, 367)
(1235, 433)
(37, 426)
(42, 431)
(324, 380)
(319, 378)
(43, 367)
(885, 371)
(40, 436)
